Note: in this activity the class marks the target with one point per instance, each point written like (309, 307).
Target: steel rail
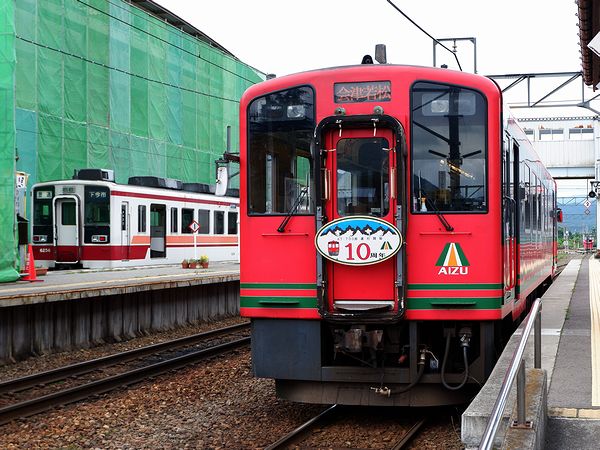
(515, 371)
(61, 373)
(295, 434)
(34, 406)
(409, 435)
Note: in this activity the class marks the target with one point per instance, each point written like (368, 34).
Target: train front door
(66, 226)
(359, 239)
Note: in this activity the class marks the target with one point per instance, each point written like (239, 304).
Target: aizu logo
(452, 261)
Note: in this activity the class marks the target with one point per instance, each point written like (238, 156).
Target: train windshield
(363, 177)
(42, 205)
(280, 127)
(449, 129)
(97, 205)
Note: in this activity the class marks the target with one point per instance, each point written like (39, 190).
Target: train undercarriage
(416, 363)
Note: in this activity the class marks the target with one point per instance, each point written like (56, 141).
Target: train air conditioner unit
(94, 175)
(157, 182)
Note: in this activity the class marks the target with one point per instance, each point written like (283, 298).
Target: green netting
(101, 83)
(8, 253)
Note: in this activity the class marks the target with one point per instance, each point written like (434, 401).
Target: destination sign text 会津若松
(358, 92)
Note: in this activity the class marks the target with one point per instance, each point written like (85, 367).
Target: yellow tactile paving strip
(574, 413)
(595, 319)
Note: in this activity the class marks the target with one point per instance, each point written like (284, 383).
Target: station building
(127, 86)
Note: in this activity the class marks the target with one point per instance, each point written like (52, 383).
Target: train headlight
(40, 238)
(99, 239)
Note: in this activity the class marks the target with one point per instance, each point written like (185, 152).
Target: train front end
(372, 245)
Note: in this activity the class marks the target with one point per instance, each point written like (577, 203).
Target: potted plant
(185, 264)
(192, 263)
(203, 261)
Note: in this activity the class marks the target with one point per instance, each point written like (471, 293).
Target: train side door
(125, 231)
(158, 231)
(510, 164)
(66, 229)
(360, 171)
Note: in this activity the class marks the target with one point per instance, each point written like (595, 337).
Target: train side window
(204, 221)
(142, 218)
(527, 199)
(232, 222)
(219, 221)
(174, 224)
(187, 217)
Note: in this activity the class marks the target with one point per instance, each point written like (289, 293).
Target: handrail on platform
(516, 369)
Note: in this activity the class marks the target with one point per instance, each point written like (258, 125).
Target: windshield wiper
(440, 216)
(289, 215)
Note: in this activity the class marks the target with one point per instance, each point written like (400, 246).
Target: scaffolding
(106, 84)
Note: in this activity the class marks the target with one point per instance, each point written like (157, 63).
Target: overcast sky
(283, 37)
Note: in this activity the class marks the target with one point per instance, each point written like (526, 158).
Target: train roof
(139, 189)
(367, 72)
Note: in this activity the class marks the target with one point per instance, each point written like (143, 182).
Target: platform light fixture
(595, 186)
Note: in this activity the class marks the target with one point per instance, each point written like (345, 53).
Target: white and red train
(92, 222)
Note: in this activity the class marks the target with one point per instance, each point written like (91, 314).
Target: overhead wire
(429, 35)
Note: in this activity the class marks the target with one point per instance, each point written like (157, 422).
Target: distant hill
(576, 221)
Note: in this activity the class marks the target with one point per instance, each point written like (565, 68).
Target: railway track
(183, 353)
(328, 417)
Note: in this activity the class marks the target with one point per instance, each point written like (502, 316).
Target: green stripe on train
(455, 287)
(277, 302)
(448, 303)
(278, 286)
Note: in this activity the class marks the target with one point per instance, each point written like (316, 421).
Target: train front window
(280, 127)
(42, 206)
(363, 177)
(97, 205)
(449, 151)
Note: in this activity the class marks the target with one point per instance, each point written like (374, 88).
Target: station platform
(567, 412)
(574, 382)
(82, 308)
(62, 285)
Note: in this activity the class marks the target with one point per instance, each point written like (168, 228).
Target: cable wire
(429, 35)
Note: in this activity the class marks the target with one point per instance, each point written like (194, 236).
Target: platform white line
(101, 284)
(595, 328)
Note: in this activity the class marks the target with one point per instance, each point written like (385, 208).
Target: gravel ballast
(216, 404)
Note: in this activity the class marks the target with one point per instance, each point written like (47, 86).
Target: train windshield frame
(280, 163)
(448, 149)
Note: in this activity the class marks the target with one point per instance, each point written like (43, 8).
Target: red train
(396, 223)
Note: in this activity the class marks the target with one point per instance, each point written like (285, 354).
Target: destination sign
(359, 92)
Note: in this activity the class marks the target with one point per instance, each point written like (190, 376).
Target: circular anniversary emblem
(358, 240)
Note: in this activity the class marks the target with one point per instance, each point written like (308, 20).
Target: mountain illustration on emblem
(366, 230)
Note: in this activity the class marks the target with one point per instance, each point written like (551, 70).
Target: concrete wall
(43, 328)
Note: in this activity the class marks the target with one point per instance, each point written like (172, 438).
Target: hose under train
(445, 359)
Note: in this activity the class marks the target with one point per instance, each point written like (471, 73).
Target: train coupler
(383, 391)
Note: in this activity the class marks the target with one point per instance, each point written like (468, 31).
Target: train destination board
(369, 91)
